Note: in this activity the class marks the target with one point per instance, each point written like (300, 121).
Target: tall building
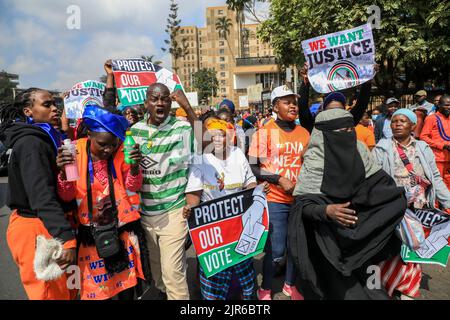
(238, 66)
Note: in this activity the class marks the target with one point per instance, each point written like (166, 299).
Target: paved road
(435, 284)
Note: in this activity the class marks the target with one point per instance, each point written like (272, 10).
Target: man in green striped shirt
(167, 145)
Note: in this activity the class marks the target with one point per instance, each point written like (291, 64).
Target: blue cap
(407, 113)
(229, 104)
(97, 119)
(334, 96)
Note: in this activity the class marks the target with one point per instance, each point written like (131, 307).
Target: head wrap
(97, 119)
(335, 163)
(229, 104)
(407, 113)
(217, 124)
(334, 96)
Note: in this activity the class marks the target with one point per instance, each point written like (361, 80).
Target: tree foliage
(150, 59)
(174, 47)
(412, 44)
(7, 90)
(206, 83)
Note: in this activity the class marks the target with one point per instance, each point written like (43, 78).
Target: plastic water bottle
(71, 169)
(128, 146)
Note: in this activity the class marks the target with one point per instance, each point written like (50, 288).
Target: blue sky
(36, 43)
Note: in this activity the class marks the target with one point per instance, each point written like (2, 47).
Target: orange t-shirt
(280, 153)
(365, 135)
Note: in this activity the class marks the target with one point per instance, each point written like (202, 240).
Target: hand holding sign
(252, 223)
(340, 60)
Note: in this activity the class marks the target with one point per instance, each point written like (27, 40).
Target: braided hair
(13, 112)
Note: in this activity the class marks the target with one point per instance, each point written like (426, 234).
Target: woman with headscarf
(345, 213)
(214, 175)
(412, 164)
(111, 239)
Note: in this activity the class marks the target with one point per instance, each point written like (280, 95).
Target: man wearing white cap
(275, 155)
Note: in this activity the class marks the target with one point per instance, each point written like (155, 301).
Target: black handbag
(106, 237)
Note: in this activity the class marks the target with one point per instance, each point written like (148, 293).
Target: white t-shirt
(218, 178)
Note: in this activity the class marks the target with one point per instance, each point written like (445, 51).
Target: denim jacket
(384, 154)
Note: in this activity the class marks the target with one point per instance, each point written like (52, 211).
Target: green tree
(150, 59)
(7, 88)
(206, 83)
(223, 25)
(246, 6)
(176, 48)
(412, 44)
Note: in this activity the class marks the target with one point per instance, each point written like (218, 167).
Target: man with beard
(383, 124)
(436, 132)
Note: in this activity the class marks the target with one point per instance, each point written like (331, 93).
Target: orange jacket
(430, 134)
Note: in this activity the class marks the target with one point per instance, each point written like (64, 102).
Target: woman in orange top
(110, 261)
(364, 134)
(275, 156)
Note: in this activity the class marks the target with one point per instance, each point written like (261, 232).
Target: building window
(222, 74)
(221, 43)
(182, 31)
(222, 67)
(222, 59)
(223, 90)
(222, 51)
(223, 82)
(220, 12)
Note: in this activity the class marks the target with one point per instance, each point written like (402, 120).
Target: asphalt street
(435, 283)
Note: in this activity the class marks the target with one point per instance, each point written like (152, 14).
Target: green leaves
(412, 33)
(206, 83)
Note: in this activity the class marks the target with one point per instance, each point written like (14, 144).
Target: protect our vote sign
(81, 95)
(340, 60)
(436, 247)
(230, 229)
(133, 76)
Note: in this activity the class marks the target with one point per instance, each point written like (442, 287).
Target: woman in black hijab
(345, 213)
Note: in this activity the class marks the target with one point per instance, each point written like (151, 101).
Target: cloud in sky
(37, 45)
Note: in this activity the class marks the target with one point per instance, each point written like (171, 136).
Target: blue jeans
(276, 245)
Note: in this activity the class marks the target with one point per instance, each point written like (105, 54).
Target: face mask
(375, 117)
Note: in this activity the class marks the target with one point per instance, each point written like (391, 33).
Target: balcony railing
(254, 61)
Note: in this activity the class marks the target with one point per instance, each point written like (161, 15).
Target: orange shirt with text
(280, 153)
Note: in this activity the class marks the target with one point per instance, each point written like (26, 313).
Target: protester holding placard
(412, 164)
(26, 128)
(276, 155)
(213, 175)
(167, 145)
(331, 101)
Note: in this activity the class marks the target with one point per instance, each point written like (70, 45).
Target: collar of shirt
(411, 144)
(156, 127)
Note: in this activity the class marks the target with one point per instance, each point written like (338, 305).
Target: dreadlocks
(13, 112)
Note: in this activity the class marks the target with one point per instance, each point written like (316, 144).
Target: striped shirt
(166, 153)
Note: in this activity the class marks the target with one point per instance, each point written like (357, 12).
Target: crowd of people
(337, 182)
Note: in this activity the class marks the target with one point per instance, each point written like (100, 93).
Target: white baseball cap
(281, 91)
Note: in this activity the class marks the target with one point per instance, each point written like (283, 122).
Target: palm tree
(150, 59)
(239, 8)
(223, 25)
